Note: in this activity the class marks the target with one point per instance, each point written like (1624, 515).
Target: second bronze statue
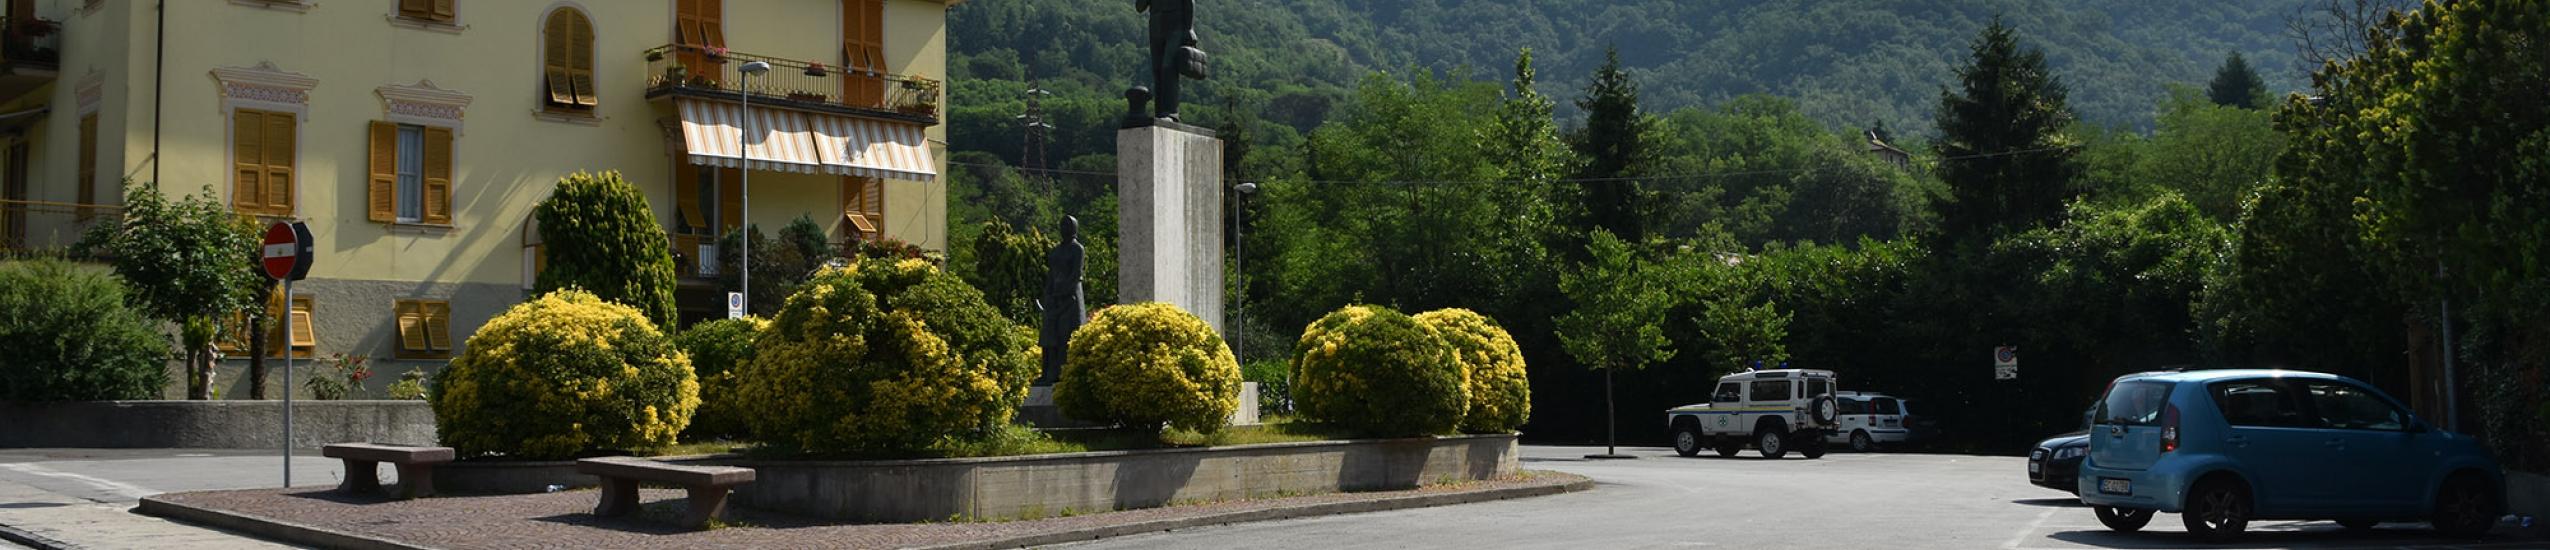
(1174, 57)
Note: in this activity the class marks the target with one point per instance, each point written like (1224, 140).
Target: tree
(189, 261)
(1621, 300)
(2002, 147)
(1613, 143)
(599, 236)
(2236, 85)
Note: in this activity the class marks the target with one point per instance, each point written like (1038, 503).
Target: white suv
(1870, 420)
(1771, 410)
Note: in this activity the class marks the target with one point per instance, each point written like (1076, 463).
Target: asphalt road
(1840, 501)
(127, 475)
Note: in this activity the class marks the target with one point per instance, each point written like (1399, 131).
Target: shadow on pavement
(2292, 535)
(2051, 502)
(342, 497)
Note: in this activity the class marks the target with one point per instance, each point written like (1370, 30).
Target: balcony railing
(678, 67)
(31, 41)
(28, 225)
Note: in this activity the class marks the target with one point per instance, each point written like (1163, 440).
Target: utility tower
(1032, 159)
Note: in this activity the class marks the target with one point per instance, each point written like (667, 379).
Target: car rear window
(1886, 405)
(1770, 390)
(2133, 403)
(1854, 406)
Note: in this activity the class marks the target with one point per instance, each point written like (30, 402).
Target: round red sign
(282, 250)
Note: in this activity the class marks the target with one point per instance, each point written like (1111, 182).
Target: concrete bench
(708, 485)
(415, 466)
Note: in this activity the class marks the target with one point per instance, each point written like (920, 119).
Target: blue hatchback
(2224, 447)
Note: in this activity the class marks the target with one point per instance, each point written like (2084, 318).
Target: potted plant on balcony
(922, 97)
(815, 70)
(716, 53)
(808, 96)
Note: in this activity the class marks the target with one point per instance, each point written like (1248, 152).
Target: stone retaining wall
(1050, 485)
(211, 424)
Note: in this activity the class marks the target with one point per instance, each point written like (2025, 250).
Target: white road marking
(2033, 526)
(108, 485)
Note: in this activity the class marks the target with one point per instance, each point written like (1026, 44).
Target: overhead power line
(1656, 178)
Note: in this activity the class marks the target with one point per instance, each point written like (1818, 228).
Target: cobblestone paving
(565, 520)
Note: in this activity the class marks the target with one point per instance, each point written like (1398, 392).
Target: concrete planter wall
(2528, 494)
(1046, 485)
(212, 424)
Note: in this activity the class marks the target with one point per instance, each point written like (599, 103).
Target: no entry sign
(286, 255)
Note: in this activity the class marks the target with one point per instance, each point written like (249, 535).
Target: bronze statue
(1174, 55)
(1063, 304)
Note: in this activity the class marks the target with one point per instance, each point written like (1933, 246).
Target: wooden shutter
(419, 9)
(686, 193)
(438, 175)
(248, 171)
(304, 332)
(88, 167)
(712, 22)
(280, 144)
(557, 38)
(438, 326)
(730, 199)
(382, 188)
(863, 31)
(443, 11)
(411, 326)
(580, 59)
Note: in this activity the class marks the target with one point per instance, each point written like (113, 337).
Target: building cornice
(265, 87)
(424, 103)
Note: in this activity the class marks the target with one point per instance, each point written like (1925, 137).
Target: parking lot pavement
(1840, 501)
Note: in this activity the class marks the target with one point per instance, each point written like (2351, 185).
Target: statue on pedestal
(1063, 304)
(1174, 55)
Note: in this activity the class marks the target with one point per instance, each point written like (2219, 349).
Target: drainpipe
(159, 87)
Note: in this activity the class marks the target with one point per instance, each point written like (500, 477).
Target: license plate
(2115, 486)
(2035, 467)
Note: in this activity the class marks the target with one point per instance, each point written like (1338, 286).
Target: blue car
(2222, 448)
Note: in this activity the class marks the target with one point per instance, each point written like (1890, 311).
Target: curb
(32, 540)
(328, 538)
(1323, 509)
(283, 531)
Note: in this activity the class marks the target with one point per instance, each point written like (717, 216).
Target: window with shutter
(567, 61)
(863, 33)
(699, 25)
(863, 207)
(88, 167)
(263, 146)
(381, 191)
(411, 170)
(438, 11)
(687, 196)
(305, 336)
(730, 200)
(424, 329)
(438, 176)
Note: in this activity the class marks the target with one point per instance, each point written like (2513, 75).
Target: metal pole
(287, 383)
(744, 156)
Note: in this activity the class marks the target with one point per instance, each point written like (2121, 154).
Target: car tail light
(2169, 428)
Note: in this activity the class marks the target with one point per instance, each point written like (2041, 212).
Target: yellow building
(415, 136)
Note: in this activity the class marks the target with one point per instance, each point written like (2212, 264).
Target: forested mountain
(1846, 63)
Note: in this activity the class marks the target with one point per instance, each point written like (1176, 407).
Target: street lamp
(743, 159)
(1239, 215)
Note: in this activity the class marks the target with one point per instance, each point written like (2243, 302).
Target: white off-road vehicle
(1772, 410)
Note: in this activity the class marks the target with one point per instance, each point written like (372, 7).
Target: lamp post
(1239, 263)
(743, 158)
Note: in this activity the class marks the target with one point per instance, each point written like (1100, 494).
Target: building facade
(416, 136)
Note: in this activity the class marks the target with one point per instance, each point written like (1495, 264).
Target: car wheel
(1771, 443)
(1860, 442)
(1728, 447)
(2217, 510)
(2463, 508)
(1686, 441)
(2357, 524)
(2124, 520)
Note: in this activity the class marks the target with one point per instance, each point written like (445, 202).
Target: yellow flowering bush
(561, 376)
(718, 351)
(1149, 366)
(1500, 391)
(1379, 372)
(886, 355)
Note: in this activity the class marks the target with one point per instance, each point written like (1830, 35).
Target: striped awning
(807, 143)
(776, 139)
(875, 148)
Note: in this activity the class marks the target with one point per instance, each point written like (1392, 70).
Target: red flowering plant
(342, 379)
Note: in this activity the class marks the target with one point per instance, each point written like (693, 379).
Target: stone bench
(708, 485)
(415, 466)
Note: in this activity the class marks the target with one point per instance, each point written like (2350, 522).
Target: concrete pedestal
(1169, 219)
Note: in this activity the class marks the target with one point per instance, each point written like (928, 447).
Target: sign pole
(287, 383)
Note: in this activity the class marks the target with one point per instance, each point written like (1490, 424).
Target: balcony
(712, 73)
(30, 50)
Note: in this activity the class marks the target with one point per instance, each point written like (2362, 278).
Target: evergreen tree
(1612, 143)
(2236, 85)
(2002, 148)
